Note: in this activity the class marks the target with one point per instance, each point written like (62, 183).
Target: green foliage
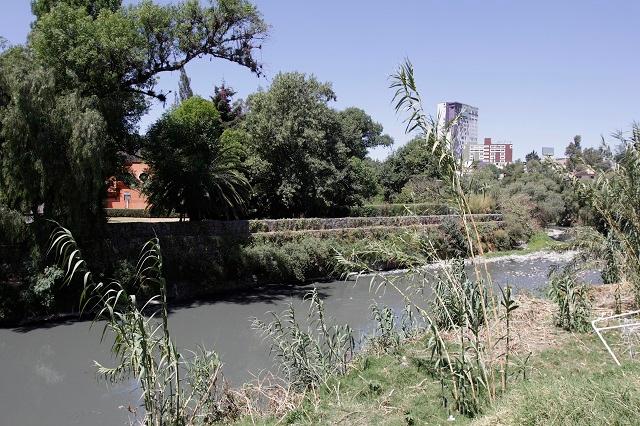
(412, 161)
(571, 385)
(547, 191)
(572, 298)
(53, 144)
(73, 96)
(92, 7)
(292, 261)
(457, 301)
(614, 196)
(306, 159)
(533, 155)
(308, 354)
(43, 290)
(174, 389)
(195, 169)
(374, 210)
(482, 204)
(517, 215)
(391, 329)
(136, 213)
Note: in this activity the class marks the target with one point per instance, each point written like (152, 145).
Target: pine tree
(230, 112)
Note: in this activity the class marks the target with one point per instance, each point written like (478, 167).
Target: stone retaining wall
(244, 228)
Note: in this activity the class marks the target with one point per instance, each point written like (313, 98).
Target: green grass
(574, 385)
(539, 241)
(569, 385)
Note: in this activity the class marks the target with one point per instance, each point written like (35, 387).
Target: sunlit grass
(539, 241)
(565, 386)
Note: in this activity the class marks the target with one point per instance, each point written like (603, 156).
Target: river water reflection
(47, 376)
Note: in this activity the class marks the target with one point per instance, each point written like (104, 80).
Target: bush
(502, 240)
(455, 239)
(42, 290)
(372, 210)
(518, 219)
(482, 204)
(291, 261)
(135, 213)
(572, 299)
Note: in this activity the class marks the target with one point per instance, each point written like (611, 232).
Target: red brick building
(499, 154)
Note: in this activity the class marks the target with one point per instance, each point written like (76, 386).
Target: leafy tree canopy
(71, 99)
(230, 112)
(307, 158)
(413, 159)
(195, 169)
(533, 155)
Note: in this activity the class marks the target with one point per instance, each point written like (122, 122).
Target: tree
(195, 168)
(230, 112)
(574, 153)
(306, 159)
(408, 162)
(73, 97)
(533, 155)
(184, 86)
(600, 159)
(360, 132)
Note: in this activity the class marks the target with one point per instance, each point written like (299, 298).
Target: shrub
(502, 240)
(291, 261)
(518, 219)
(455, 239)
(135, 213)
(400, 209)
(311, 351)
(573, 303)
(480, 203)
(41, 292)
(457, 299)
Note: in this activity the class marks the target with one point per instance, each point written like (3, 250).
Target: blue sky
(539, 71)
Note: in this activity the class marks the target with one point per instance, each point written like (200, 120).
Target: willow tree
(72, 97)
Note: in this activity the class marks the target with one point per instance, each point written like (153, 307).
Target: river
(47, 375)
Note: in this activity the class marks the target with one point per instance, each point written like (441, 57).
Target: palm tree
(195, 168)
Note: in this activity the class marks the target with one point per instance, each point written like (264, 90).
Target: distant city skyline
(539, 72)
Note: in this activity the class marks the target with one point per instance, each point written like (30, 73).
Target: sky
(540, 71)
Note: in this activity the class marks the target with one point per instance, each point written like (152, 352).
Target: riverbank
(292, 264)
(208, 259)
(539, 242)
(563, 379)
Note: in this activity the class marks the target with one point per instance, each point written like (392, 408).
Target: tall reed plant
(174, 389)
(460, 311)
(309, 350)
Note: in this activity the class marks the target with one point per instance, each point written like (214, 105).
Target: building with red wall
(499, 154)
(122, 196)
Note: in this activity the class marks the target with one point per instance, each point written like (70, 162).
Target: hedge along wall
(243, 228)
(367, 210)
(206, 257)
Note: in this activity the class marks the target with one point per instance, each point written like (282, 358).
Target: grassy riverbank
(567, 379)
(539, 241)
(565, 385)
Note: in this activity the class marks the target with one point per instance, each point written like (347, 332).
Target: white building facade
(464, 130)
